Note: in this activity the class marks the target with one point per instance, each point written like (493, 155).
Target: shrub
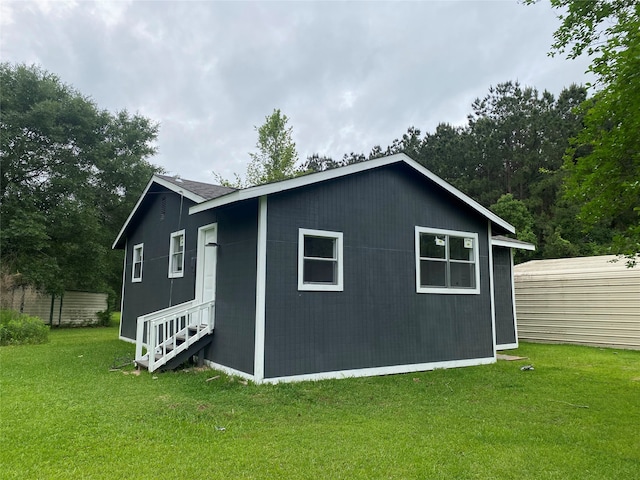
(104, 318)
(20, 329)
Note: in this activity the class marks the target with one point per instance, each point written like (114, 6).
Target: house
(584, 300)
(375, 268)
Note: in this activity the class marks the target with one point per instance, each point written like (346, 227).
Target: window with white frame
(136, 267)
(320, 265)
(176, 254)
(446, 261)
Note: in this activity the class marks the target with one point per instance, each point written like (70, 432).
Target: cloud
(348, 75)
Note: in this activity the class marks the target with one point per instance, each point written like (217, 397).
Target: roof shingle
(207, 191)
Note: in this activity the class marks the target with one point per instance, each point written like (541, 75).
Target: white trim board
(170, 186)
(376, 371)
(124, 281)
(313, 178)
(228, 370)
(200, 254)
(261, 295)
(418, 230)
(339, 245)
(179, 273)
(513, 304)
(509, 243)
(492, 293)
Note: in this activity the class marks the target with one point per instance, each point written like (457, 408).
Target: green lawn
(65, 415)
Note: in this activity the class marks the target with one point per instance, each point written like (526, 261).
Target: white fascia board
(304, 180)
(155, 179)
(465, 198)
(296, 182)
(519, 244)
(177, 189)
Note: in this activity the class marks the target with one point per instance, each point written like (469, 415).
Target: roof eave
(270, 188)
(519, 244)
(170, 186)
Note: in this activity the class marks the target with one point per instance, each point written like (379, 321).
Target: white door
(206, 263)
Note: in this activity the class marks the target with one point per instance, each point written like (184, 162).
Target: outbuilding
(586, 300)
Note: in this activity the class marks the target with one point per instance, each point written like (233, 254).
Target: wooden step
(144, 361)
(180, 339)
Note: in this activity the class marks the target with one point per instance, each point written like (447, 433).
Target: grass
(66, 415)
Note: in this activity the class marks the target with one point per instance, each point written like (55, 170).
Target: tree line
(509, 158)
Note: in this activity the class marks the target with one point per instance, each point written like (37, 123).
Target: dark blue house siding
(505, 323)
(234, 335)
(161, 213)
(233, 338)
(379, 319)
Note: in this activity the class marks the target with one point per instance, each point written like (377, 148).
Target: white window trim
(446, 290)
(140, 247)
(172, 252)
(320, 287)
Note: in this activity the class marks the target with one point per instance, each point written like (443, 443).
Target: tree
(604, 159)
(516, 213)
(275, 159)
(70, 175)
(514, 142)
(316, 163)
(276, 156)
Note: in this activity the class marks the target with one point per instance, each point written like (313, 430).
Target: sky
(348, 75)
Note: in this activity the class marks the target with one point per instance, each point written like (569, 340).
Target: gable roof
(284, 185)
(208, 196)
(206, 191)
(196, 191)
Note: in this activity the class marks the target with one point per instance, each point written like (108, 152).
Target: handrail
(143, 319)
(171, 331)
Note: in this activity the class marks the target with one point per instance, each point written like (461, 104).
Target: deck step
(180, 339)
(144, 361)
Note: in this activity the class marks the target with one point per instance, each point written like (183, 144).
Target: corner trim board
(124, 280)
(513, 303)
(261, 279)
(492, 293)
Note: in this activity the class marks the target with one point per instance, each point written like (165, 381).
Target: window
(320, 260)
(446, 261)
(176, 255)
(136, 269)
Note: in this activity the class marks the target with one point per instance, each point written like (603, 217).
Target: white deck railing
(166, 333)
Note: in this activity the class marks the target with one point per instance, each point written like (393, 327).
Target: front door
(206, 263)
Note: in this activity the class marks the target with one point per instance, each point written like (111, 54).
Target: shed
(585, 300)
(73, 309)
